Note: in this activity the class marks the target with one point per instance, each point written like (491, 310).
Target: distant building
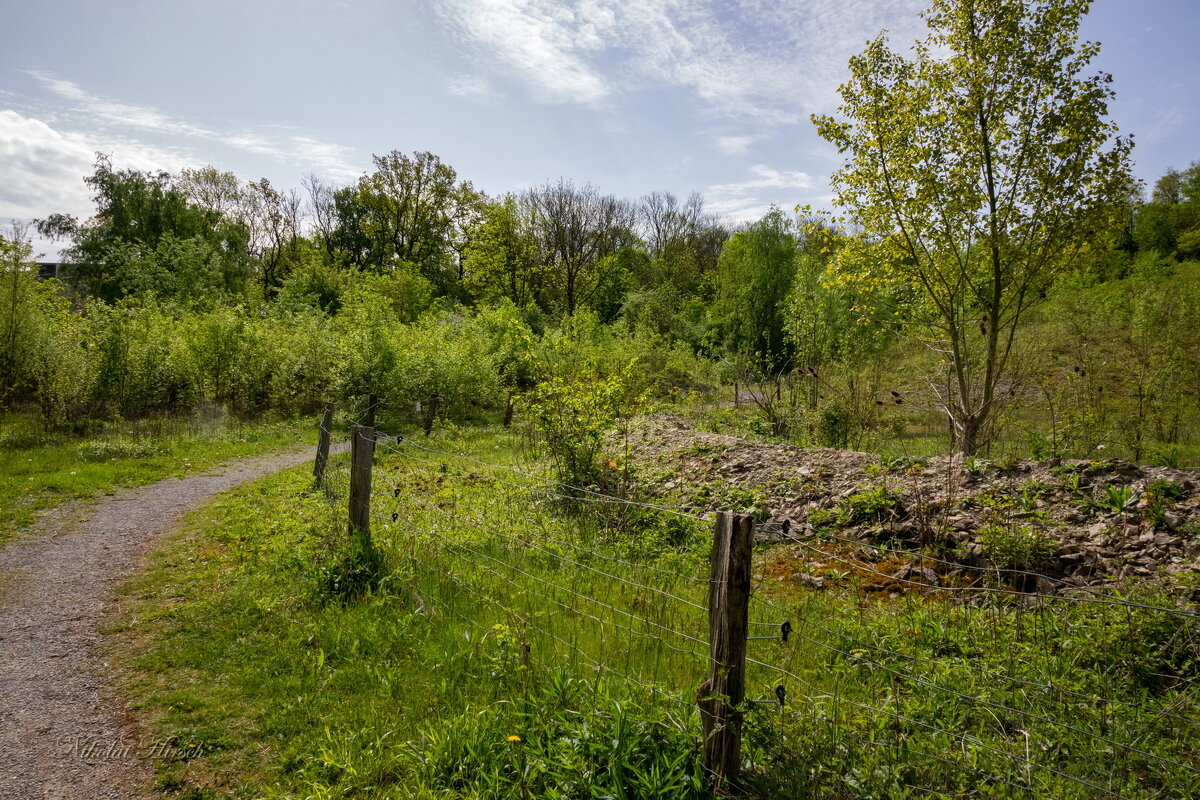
(48, 270)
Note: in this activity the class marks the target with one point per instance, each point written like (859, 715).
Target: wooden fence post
(431, 407)
(728, 622)
(323, 444)
(362, 451)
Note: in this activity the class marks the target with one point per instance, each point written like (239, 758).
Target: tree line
(982, 192)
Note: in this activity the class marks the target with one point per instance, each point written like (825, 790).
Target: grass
(39, 470)
(514, 647)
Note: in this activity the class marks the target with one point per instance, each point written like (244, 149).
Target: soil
(901, 526)
(64, 732)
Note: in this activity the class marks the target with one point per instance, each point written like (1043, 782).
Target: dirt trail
(63, 732)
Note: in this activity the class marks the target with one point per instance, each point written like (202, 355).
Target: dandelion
(513, 738)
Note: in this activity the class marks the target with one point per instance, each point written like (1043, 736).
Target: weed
(358, 571)
(1170, 457)
(1011, 545)
(1029, 495)
(1166, 490)
(1117, 499)
(873, 506)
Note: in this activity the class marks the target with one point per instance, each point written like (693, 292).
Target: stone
(811, 581)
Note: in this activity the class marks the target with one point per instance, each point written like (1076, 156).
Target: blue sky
(631, 95)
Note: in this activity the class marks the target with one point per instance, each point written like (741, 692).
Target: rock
(1046, 586)
(915, 574)
(811, 581)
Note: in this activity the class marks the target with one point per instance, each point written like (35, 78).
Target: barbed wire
(965, 739)
(678, 510)
(979, 670)
(634, 619)
(482, 525)
(575, 545)
(569, 591)
(507, 610)
(867, 546)
(907, 676)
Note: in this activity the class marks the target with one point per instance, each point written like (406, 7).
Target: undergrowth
(516, 644)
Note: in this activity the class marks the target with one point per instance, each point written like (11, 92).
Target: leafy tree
(405, 211)
(19, 296)
(754, 275)
(577, 227)
(500, 258)
(148, 238)
(978, 170)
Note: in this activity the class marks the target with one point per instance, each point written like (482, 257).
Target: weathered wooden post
(362, 452)
(431, 407)
(323, 444)
(728, 622)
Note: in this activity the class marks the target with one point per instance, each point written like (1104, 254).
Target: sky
(632, 96)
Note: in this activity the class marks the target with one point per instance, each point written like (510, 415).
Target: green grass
(511, 649)
(39, 471)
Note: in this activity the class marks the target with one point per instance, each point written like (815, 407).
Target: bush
(572, 417)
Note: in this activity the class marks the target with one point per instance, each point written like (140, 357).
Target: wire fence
(946, 693)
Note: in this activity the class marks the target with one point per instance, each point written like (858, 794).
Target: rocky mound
(905, 524)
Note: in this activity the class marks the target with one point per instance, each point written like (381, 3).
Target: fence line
(979, 670)
(661, 636)
(600, 667)
(553, 585)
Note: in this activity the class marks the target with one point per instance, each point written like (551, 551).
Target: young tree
(977, 171)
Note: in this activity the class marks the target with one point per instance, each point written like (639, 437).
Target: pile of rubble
(1052, 525)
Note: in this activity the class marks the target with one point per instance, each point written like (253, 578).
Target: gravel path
(63, 732)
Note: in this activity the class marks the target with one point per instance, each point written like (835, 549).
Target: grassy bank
(493, 643)
(40, 470)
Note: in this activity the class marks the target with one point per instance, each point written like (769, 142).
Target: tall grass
(525, 645)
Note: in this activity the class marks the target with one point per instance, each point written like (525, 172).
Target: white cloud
(118, 113)
(745, 201)
(335, 161)
(541, 40)
(768, 61)
(43, 168)
(764, 178)
(474, 87)
(1167, 122)
(736, 145)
